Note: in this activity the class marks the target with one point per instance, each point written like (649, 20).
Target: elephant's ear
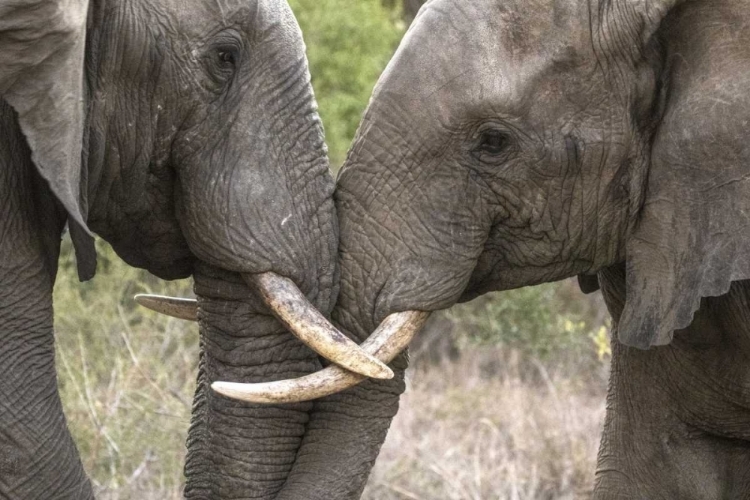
(42, 45)
(588, 283)
(693, 235)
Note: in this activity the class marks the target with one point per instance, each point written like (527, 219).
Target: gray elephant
(514, 143)
(186, 134)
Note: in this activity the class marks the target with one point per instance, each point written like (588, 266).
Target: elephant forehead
(253, 16)
(461, 54)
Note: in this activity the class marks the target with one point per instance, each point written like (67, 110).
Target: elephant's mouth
(352, 363)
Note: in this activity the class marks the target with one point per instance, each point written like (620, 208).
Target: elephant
(186, 134)
(513, 143)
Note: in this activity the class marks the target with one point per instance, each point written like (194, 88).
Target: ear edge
(85, 249)
(42, 64)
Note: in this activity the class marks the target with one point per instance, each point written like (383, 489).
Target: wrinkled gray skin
(185, 133)
(511, 143)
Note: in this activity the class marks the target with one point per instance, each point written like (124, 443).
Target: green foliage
(541, 321)
(408, 8)
(601, 340)
(349, 44)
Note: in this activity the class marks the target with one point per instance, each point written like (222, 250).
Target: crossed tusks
(353, 363)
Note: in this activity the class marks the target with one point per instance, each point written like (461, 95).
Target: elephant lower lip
(180, 269)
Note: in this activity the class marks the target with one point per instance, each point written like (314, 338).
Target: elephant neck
(688, 395)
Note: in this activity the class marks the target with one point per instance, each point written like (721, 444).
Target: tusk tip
(186, 309)
(380, 371)
(221, 388)
(148, 301)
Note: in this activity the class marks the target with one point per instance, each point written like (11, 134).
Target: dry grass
(464, 434)
(490, 424)
(126, 378)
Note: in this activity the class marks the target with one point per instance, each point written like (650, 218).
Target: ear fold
(692, 238)
(588, 283)
(629, 24)
(42, 45)
(41, 75)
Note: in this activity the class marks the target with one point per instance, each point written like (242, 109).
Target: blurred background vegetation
(506, 393)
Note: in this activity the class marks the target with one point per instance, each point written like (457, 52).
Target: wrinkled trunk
(38, 458)
(238, 447)
(346, 431)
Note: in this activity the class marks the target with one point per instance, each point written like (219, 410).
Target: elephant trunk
(355, 420)
(236, 446)
(345, 431)
(273, 451)
(402, 254)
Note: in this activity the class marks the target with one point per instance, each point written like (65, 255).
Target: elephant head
(513, 143)
(186, 134)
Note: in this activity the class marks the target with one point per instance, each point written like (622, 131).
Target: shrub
(544, 321)
(349, 44)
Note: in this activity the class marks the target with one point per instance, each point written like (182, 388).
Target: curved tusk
(293, 309)
(177, 308)
(391, 337)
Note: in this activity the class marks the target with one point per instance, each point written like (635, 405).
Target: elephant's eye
(227, 57)
(222, 60)
(492, 142)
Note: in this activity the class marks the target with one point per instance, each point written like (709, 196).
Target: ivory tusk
(177, 308)
(293, 309)
(392, 336)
